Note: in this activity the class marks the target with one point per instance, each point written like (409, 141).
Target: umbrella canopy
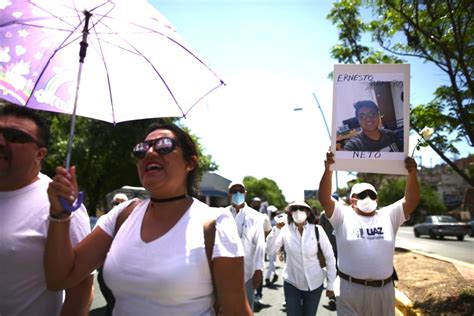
(136, 65)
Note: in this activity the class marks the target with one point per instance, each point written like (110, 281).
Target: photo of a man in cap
(372, 135)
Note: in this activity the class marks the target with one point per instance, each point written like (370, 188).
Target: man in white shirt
(24, 206)
(250, 227)
(365, 238)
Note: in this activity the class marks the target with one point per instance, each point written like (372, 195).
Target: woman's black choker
(174, 198)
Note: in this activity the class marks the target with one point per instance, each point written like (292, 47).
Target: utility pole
(327, 129)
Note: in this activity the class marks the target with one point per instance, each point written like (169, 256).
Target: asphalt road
(448, 247)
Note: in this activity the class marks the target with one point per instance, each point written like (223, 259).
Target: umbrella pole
(82, 54)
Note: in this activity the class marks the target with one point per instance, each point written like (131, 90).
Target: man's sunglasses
(13, 135)
(371, 114)
(162, 146)
(364, 194)
(240, 190)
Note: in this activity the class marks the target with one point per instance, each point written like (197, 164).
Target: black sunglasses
(162, 146)
(301, 208)
(364, 194)
(240, 190)
(13, 135)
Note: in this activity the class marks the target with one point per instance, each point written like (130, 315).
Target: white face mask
(366, 205)
(299, 216)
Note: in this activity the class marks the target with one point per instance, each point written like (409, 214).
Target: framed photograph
(370, 119)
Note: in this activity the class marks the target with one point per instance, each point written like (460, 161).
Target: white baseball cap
(235, 183)
(361, 187)
(272, 209)
(120, 196)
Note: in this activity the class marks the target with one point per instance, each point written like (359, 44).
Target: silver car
(441, 225)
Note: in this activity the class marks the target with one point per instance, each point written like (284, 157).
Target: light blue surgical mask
(238, 198)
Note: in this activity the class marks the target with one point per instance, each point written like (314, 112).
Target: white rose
(427, 132)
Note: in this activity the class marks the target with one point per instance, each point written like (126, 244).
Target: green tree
(102, 154)
(266, 189)
(437, 32)
(393, 189)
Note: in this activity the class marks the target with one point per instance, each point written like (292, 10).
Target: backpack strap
(317, 232)
(209, 227)
(122, 217)
(209, 238)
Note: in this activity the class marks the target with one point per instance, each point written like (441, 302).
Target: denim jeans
(250, 292)
(301, 303)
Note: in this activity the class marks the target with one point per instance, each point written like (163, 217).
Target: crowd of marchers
(171, 254)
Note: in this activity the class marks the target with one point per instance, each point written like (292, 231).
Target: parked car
(471, 226)
(441, 225)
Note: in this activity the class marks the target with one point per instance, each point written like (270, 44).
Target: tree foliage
(266, 189)
(437, 32)
(394, 188)
(102, 154)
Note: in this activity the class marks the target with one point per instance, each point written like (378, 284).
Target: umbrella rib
(148, 61)
(221, 83)
(46, 66)
(153, 66)
(106, 71)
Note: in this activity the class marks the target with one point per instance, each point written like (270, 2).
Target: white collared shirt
(302, 268)
(250, 227)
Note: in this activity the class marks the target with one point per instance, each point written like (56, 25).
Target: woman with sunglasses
(302, 275)
(156, 263)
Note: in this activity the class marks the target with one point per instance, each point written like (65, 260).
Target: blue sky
(273, 55)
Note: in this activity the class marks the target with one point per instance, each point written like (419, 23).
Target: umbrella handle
(77, 203)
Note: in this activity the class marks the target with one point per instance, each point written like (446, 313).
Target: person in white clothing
(158, 260)
(303, 276)
(250, 227)
(365, 238)
(271, 276)
(24, 210)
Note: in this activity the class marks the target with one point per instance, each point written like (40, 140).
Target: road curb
(404, 305)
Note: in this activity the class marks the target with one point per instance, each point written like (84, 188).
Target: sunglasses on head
(162, 146)
(364, 194)
(370, 114)
(235, 190)
(13, 135)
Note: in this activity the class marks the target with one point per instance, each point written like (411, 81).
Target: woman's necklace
(170, 199)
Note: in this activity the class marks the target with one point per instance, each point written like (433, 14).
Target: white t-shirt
(169, 275)
(23, 229)
(302, 268)
(250, 227)
(365, 244)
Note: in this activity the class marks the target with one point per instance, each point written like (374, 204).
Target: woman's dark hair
(189, 149)
(10, 109)
(310, 219)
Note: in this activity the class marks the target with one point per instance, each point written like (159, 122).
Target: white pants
(271, 267)
(361, 300)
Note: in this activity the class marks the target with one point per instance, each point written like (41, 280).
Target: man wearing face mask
(365, 238)
(250, 227)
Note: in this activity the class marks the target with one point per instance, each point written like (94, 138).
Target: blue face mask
(238, 198)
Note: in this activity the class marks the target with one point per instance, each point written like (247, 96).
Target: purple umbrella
(135, 64)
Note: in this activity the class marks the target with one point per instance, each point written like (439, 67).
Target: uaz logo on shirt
(369, 233)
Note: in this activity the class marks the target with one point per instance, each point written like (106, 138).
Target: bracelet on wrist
(56, 219)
